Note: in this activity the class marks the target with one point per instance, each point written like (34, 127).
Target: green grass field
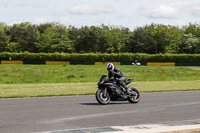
(57, 80)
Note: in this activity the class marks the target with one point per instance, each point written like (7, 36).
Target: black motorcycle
(109, 90)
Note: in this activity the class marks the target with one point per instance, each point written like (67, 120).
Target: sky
(126, 13)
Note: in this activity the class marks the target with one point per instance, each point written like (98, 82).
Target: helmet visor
(109, 69)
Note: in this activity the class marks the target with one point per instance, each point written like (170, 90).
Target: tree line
(55, 37)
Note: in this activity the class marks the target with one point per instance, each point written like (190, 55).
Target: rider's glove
(111, 73)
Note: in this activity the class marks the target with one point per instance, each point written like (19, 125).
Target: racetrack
(73, 112)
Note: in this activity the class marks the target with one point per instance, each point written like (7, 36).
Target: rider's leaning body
(117, 74)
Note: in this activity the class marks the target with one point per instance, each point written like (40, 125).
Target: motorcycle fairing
(114, 90)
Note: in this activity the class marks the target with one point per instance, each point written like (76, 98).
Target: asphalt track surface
(22, 115)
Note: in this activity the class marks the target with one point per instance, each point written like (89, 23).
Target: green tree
(54, 37)
(190, 44)
(138, 41)
(4, 38)
(193, 29)
(87, 39)
(155, 39)
(173, 39)
(116, 39)
(197, 49)
(24, 36)
(84, 40)
(191, 39)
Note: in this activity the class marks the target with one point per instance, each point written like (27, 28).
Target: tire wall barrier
(57, 62)
(160, 63)
(105, 63)
(10, 62)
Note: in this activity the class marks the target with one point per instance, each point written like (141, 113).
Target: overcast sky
(127, 13)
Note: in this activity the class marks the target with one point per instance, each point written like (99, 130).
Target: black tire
(135, 97)
(101, 98)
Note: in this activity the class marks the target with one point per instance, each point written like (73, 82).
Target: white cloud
(66, 21)
(106, 10)
(177, 23)
(40, 20)
(164, 12)
(87, 10)
(38, 5)
(4, 4)
(80, 10)
(57, 14)
(14, 22)
(142, 10)
(34, 4)
(21, 4)
(195, 10)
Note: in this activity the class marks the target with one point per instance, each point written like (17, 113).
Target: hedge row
(91, 57)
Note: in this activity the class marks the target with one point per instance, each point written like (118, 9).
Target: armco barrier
(57, 62)
(11, 62)
(105, 63)
(187, 64)
(126, 63)
(81, 63)
(35, 62)
(130, 63)
(95, 63)
(160, 63)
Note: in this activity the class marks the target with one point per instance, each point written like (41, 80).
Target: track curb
(187, 126)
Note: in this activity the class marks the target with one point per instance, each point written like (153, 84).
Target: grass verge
(64, 89)
(23, 74)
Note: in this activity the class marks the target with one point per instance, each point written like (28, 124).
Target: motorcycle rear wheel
(101, 98)
(135, 96)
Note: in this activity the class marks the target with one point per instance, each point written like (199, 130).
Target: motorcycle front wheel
(102, 97)
(134, 95)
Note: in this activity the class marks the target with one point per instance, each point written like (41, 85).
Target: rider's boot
(126, 88)
(125, 95)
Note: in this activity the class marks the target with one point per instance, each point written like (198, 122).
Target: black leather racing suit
(117, 73)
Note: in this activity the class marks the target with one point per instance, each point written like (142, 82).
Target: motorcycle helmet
(110, 67)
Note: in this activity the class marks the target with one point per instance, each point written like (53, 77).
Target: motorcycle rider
(117, 74)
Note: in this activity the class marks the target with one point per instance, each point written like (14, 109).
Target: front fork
(105, 92)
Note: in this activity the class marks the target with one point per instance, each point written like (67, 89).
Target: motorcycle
(109, 90)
